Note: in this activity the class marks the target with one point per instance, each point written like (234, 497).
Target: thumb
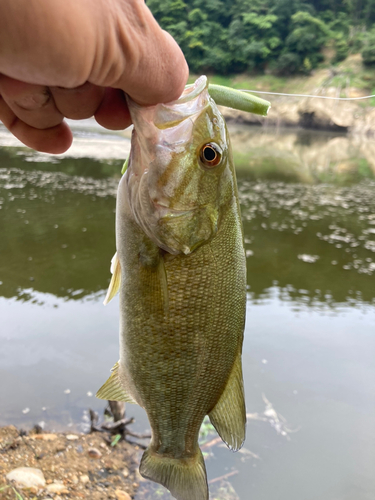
(154, 68)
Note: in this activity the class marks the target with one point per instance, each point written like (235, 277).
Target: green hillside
(275, 37)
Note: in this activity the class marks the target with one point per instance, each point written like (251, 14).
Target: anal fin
(229, 414)
(112, 390)
(115, 280)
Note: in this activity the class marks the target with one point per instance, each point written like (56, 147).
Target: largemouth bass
(181, 271)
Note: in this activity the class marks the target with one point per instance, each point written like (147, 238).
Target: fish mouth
(191, 92)
(193, 100)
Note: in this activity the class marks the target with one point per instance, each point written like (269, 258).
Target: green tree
(369, 13)
(368, 52)
(229, 36)
(307, 38)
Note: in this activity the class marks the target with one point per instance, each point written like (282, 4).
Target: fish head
(180, 174)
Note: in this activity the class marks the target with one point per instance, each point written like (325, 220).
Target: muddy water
(310, 333)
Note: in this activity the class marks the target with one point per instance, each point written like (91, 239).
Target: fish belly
(181, 332)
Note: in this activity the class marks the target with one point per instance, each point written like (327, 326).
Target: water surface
(310, 331)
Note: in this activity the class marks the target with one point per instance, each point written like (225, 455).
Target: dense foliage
(284, 36)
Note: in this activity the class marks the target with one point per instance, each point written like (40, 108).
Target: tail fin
(185, 478)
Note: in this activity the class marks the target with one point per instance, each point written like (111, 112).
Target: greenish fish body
(180, 269)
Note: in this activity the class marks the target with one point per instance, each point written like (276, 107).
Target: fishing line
(307, 95)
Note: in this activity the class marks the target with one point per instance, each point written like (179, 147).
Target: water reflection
(26, 160)
(313, 241)
(54, 355)
(59, 230)
(309, 338)
(317, 242)
(303, 156)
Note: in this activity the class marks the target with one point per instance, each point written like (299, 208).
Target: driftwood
(116, 423)
(117, 410)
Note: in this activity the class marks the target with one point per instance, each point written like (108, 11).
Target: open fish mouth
(192, 101)
(192, 91)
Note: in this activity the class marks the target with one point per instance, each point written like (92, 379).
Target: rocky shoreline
(62, 465)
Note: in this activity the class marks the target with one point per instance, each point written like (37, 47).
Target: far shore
(348, 79)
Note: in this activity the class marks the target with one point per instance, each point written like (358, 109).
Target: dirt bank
(71, 466)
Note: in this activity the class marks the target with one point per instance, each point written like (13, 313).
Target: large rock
(284, 113)
(366, 126)
(327, 114)
(27, 477)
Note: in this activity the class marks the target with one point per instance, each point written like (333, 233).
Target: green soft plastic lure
(237, 99)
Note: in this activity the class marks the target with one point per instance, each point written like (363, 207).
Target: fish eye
(210, 155)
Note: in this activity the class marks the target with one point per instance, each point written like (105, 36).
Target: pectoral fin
(163, 283)
(151, 258)
(115, 281)
(229, 415)
(112, 390)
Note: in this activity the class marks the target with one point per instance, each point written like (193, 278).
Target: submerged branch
(225, 476)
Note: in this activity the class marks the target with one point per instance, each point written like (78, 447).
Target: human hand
(74, 59)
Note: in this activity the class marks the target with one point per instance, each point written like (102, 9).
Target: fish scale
(181, 271)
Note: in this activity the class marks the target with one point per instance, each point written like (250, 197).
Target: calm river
(308, 207)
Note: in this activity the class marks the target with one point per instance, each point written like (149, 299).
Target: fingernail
(33, 101)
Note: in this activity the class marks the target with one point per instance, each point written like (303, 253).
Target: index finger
(54, 140)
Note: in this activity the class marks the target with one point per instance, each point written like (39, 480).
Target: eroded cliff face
(356, 117)
(309, 113)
